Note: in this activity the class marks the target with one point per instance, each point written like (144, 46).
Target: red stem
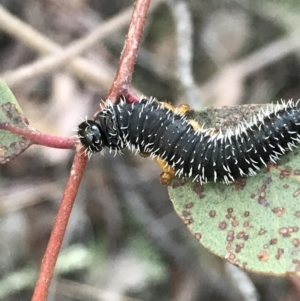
(122, 80)
(120, 87)
(40, 138)
(59, 228)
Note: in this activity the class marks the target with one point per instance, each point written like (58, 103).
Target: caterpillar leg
(167, 171)
(145, 155)
(196, 126)
(181, 109)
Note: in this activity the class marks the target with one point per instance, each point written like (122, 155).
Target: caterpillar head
(89, 134)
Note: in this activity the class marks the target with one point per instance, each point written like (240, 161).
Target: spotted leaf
(11, 144)
(253, 223)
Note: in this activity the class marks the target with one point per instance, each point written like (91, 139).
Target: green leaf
(11, 144)
(253, 223)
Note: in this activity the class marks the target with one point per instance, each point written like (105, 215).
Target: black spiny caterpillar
(149, 126)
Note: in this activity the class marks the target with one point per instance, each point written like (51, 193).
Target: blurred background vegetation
(124, 242)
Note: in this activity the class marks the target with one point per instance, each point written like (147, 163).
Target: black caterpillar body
(149, 127)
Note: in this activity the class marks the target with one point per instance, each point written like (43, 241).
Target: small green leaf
(11, 144)
(253, 223)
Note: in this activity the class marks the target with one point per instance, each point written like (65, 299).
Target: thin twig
(79, 291)
(62, 57)
(295, 279)
(184, 34)
(261, 58)
(266, 56)
(80, 67)
(130, 51)
(25, 196)
(243, 282)
(35, 40)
